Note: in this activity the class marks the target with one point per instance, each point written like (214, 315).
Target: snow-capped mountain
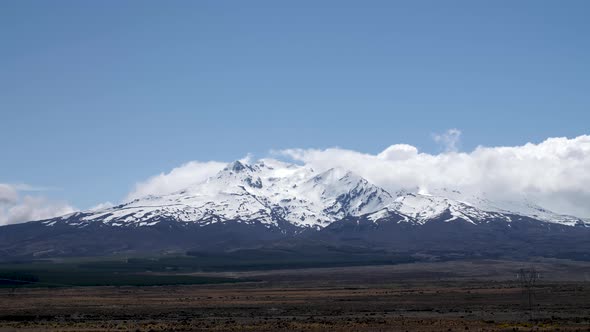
(268, 192)
(275, 193)
(271, 203)
(522, 206)
(421, 208)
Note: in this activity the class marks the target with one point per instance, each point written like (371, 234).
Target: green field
(174, 270)
(96, 273)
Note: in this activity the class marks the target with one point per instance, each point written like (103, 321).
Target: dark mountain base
(351, 238)
(37, 240)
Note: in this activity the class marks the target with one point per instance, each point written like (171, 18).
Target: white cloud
(248, 159)
(398, 152)
(15, 209)
(555, 173)
(177, 179)
(8, 195)
(28, 187)
(449, 140)
(100, 206)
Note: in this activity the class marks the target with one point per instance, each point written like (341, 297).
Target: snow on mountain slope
(523, 207)
(343, 193)
(451, 205)
(267, 191)
(271, 192)
(421, 208)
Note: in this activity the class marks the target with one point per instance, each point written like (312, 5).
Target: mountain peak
(237, 166)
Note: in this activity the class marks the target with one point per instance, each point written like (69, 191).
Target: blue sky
(95, 96)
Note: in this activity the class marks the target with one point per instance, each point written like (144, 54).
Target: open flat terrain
(444, 296)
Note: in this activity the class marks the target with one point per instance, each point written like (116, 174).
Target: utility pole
(527, 279)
